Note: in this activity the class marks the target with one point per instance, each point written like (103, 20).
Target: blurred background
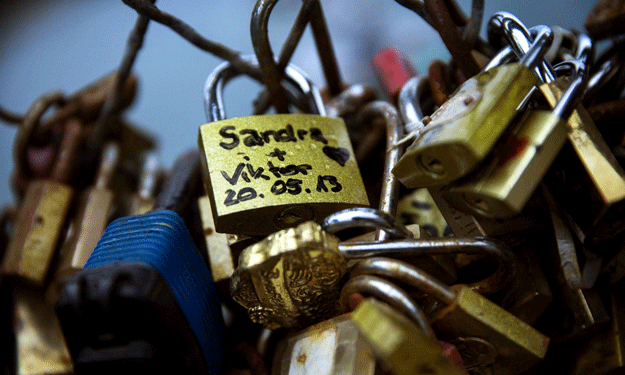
(66, 44)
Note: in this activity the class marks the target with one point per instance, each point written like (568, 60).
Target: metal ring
(364, 217)
(498, 250)
(405, 273)
(394, 130)
(389, 293)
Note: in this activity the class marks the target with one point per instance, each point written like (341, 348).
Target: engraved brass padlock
(462, 131)
(270, 172)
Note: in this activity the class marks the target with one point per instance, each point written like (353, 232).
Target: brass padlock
(413, 104)
(39, 343)
(502, 186)
(270, 172)
(92, 216)
(466, 313)
(400, 345)
(42, 214)
(462, 131)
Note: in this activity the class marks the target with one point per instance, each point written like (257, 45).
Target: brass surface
(40, 346)
(400, 346)
(503, 186)
(595, 155)
(287, 169)
(39, 228)
(463, 130)
(291, 278)
(472, 315)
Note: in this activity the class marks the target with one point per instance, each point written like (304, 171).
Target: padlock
(462, 131)
(334, 346)
(503, 185)
(466, 313)
(593, 193)
(287, 169)
(42, 215)
(39, 343)
(149, 291)
(92, 216)
(220, 257)
(414, 103)
(400, 345)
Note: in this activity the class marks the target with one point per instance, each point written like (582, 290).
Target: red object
(393, 69)
(452, 352)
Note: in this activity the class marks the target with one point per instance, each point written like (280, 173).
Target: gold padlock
(464, 129)
(502, 187)
(42, 215)
(401, 346)
(39, 342)
(92, 216)
(270, 172)
(466, 313)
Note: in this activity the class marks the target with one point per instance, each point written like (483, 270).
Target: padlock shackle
(404, 248)
(389, 195)
(365, 217)
(216, 81)
(504, 56)
(577, 86)
(389, 293)
(519, 37)
(402, 272)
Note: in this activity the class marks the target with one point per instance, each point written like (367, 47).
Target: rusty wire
(110, 110)
(146, 9)
(272, 71)
(10, 118)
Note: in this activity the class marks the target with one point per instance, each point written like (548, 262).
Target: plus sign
(278, 154)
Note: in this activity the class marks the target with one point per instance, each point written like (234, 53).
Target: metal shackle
(216, 81)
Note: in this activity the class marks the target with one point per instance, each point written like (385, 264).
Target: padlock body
(218, 247)
(334, 346)
(161, 240)
(40, 224)
(291, 278)
(399, 344)
(271, 172)
(472, 315)
(465, 128)
(39, 341)
(506, 183)
(598, 200)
